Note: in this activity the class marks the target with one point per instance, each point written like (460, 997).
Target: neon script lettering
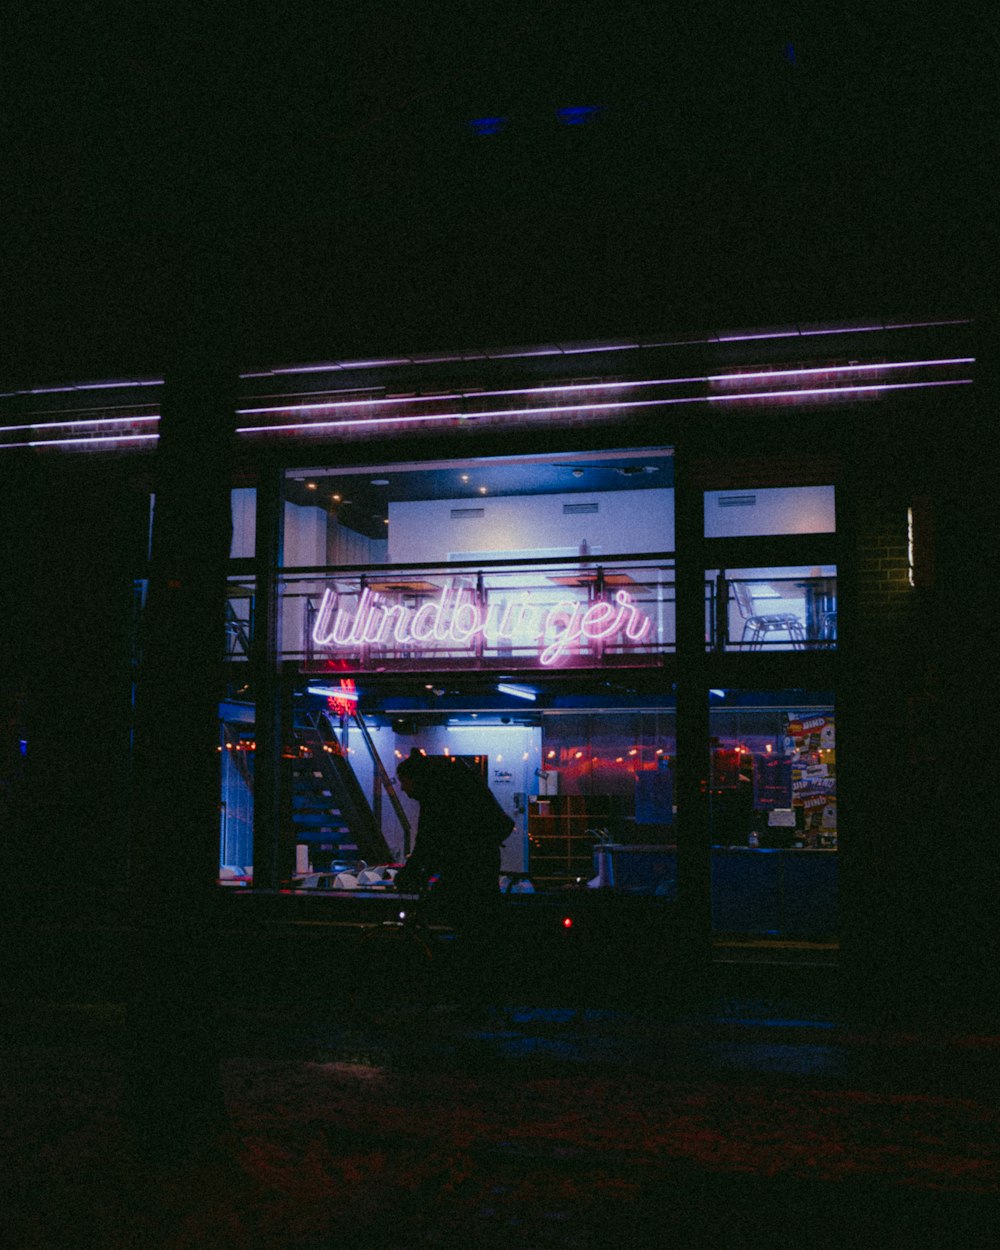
(456, 619)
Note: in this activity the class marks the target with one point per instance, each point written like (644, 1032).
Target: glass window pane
(788, 608)
(502, 508)
(772, 795)
(237, 748)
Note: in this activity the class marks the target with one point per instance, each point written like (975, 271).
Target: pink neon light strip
(582, 408)
(75, 425)
(872, 329)
(617, 347)
(80, 386)
(775, 375)
(837, 390)
(566, 351)
(87, 442)
(790, 373)
(575, 388)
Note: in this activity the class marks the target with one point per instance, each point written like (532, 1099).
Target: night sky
(340, 180)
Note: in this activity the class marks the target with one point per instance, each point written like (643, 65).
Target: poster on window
(811, 750)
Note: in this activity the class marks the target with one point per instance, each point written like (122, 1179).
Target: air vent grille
(577, 509)
(737, 501)
(467, 514)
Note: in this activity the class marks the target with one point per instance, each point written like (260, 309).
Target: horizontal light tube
(582, 387)
(619, 405)
(583, 349)
(519, 692)
(79, 423)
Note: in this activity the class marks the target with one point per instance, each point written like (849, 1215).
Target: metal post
(270, 731)
(694, 886)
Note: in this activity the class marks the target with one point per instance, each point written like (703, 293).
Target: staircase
(329, 808)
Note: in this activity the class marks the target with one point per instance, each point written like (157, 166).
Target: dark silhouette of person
(456, 856)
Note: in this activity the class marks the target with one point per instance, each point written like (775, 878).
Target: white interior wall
(243, 501)
(347, 546)
(779, 510)
(304, 540)
(303, 544)
(424, 531)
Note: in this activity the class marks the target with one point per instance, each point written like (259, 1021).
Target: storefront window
(523, 563)
(589, 791)
(605, 801)
(772, 793)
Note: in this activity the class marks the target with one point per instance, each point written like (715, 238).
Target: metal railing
(548, 613)
(780, 613)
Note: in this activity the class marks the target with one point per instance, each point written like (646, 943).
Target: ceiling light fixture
(519, 692)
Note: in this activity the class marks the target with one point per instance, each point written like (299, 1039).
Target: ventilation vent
(576, 509)
(737, 501)
(466, 514)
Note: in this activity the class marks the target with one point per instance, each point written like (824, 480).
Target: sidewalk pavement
(396, 1125)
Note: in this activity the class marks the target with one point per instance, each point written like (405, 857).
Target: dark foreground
(743, 1119)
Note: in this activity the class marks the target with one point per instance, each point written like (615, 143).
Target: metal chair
(757, 626)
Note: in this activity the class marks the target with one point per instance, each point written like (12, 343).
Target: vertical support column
(173, 1096)
(694, 885)
(270, 729)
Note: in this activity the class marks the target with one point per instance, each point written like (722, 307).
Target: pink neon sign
(456, 619)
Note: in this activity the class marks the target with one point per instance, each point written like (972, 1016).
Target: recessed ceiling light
(335, 498)
(482, 490)
(380, 481)
(465, 477)
(310, 485)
